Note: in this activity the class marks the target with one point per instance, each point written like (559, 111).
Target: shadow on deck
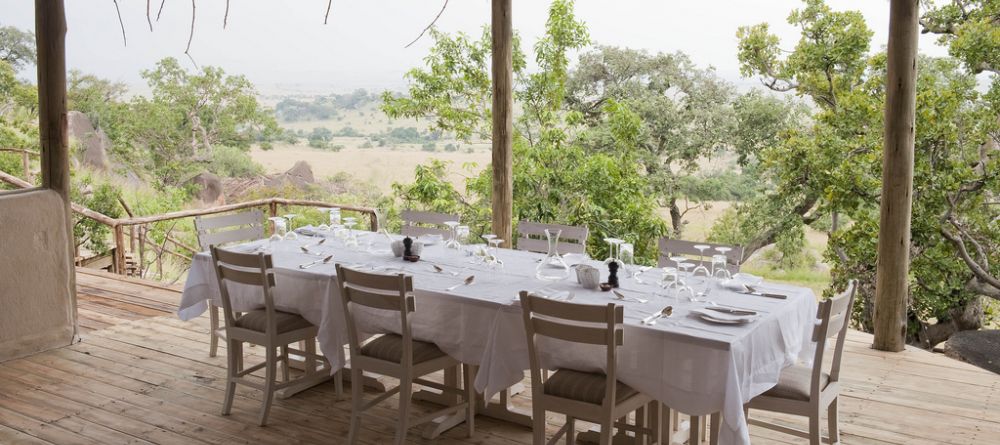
(140, 375)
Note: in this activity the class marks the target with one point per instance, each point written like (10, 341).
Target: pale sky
(284, 46)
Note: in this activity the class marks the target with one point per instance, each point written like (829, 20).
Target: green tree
(686, 114)
(832, 166)
(17, 47)
(556, 177)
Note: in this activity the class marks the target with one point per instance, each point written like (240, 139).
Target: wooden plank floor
(142, 376)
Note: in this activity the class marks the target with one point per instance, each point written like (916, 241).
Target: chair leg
(232, 367)
(213, 323)
(470, 400)
(405, 397)
(357, 390)
(831, 418)
(284, 363)
(270, 376)
(815, 438)
(570, 430)
(607, 432)
(714, 428)
(537, 424)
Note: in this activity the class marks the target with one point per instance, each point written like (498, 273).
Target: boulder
(93, 142)
(300, 175)
(209, 190)
(980, 348)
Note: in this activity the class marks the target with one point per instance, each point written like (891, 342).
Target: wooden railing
(138, 227)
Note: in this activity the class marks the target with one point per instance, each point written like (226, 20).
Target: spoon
(467, 282)
(306, 251)
(438, 269)
(623, 297)
(666, 312)
(324, 261)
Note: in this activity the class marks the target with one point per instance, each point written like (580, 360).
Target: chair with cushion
(394, 355)
(531, 237)
(806, 391)
(589, 396)
(219, 231)
(266, 326)
(671, 247)
(417, 223)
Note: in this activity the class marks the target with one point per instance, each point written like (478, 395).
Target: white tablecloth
(689, 364)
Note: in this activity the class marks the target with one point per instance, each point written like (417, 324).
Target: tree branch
(443, 7)
(121, 23)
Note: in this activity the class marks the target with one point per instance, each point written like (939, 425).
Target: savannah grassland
(382, 166)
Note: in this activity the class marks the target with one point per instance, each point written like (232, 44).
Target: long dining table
(689, 364)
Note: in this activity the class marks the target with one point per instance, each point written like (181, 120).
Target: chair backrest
(412, 220)
(245, 269)
(834, 316)
(531, 237)
(577, 323)
(231, 228)
(377, 291)
(671, 247)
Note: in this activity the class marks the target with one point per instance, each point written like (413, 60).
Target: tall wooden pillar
(503, 124)
(50, 38)
(892, 276)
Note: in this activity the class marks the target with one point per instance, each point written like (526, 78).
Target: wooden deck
(142, 376)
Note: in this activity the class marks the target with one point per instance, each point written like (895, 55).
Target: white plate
(724, 318)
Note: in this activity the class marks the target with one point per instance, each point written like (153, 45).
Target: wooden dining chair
(531, 237)
(267, 327)
(671, 247)
(219, 231)
(416, 223)
(590, 396)
(394, 355)
(805, 391)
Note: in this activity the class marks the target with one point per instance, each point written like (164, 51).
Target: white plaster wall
(36, 296)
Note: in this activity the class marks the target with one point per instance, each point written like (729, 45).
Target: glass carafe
(552, 268)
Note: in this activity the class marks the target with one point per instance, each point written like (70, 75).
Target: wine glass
(720, 267)
(701, 269)
(494, 259)
(452, 242)
(352, 238)
(626, 256)
(613, 246)
(291, 235)
(278, 232)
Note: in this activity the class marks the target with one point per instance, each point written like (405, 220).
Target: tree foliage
(557, 177)
(832, 164)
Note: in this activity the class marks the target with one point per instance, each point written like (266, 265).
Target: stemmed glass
(452, 242)
(721, 260)
(278, 234)
(291, 235)
(494, 259)
(701, 269)
(352, 238)
(613, 246)
(626, 256)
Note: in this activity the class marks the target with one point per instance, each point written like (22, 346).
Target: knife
(733, 311)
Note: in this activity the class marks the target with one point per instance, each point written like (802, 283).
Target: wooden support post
(26, 165)
(53, 131)
(892, 275)
(503, 124)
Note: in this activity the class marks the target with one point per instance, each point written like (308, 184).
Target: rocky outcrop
(300, 175)
(980, 348)
(209, 190)
(93, 143)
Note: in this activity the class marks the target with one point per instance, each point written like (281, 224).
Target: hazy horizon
(286, 49)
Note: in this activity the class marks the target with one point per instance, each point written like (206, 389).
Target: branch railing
(140, 238)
